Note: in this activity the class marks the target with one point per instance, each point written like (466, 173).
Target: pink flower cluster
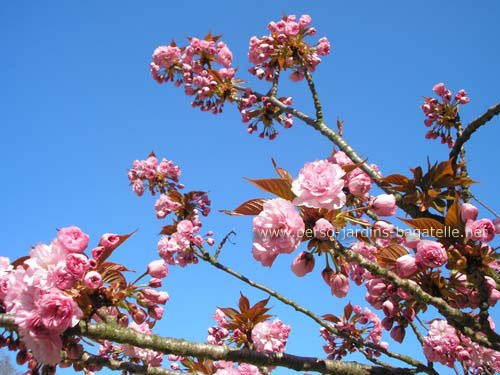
(285, 48)
(443, 115)
(176, 248)
(370, 329)
(194, 67)
(154, 174)
(277, 230)
(227, 368)
(395, 304)
(35, 292)
(445, 345)
(270, 336)
(357, 273)
(257, 110)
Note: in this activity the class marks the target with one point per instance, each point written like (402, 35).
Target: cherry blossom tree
(66, 294)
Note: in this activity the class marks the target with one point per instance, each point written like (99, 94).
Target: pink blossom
(468, 212)
(156, 297)
(138, 187)
(60, 277)
(340, 158)
(406, 265)
(296, 76)
(358, 182)
(97, 252)
(431, 253)
(323, 47)
(339, 285)
(109, 240)
(247, 369)
(73, 239)
(58, 312)
(77, 264)
(220, 317)
(270, 336)
(481, 230)
(320, 185)
(166, 56)
(42, 256)
(382, 229)
(292, 28)
(92, 280)
(384, 205)
(164, 205)
(5, 266)
(277, 229)
(304, 20)
(158, 269)
(303, 264)
(224, 56)
(439, 89)
(496, 223)
(323, 229)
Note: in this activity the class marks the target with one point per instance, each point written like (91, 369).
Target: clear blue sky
(79, 106)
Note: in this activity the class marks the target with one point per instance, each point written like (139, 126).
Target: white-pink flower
(270, 336)
(320, 185)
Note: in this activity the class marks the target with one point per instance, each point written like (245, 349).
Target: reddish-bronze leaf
(110, 266)
(244, 303)
(230, 312)
(168, 230)
(348, 168)
(347, 311)
(430, 226)
(19, 261)
(276, 186)
(331, 318)
(453, 218)
(396, 179)
(388, 255)
(249, 208)
(283, 173)
(114, 277)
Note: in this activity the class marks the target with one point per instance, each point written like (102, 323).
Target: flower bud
(303, 264)
(468, 212)
(158, 269)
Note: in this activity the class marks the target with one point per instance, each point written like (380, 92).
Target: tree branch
(131, 367)
(206, 257)
(472, 127)
(118, 334)
(314, 93)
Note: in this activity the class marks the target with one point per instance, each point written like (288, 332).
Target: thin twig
(472, 127)
(222, 243)
(484, 205)
(417, 332)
